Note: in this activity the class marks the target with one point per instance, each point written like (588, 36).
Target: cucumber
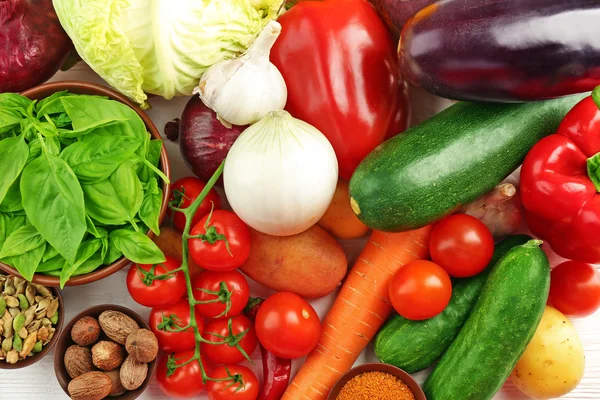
(500, 326)
(451, 159)
(415, 345)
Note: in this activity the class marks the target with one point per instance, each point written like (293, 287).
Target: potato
(310, 264)
(339, 219)
(553, 362)
(170, 243)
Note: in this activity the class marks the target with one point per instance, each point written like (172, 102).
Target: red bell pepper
(341, 69)
(560, 182)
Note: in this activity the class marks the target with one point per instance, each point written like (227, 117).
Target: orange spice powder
(375, 386)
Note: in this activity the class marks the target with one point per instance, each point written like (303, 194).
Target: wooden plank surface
(39, 382)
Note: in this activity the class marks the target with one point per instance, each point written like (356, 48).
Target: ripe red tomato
(287, 325)
(153, 285)
(230, 332)
(462, 245)
(183, 193)
(228, 291)
(183, 381)
(226, 242)
(172, 317)
(243, 386)
(575, 289)
(420, 290)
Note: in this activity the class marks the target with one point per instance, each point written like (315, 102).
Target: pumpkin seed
(12, 357)
(18, 322)
(52, 308)
(17, 343)
(28, 344)
(43, 290)
(14, 311)
(29, 314)
(19, 286)
(30, 293)
(38, 346)
(2, 305)
(23, 302)
(7, 345)
(23, 333)
(11, 301)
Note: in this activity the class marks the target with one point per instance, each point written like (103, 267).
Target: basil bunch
(79, 185)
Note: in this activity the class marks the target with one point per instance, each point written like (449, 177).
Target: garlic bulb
(243, 90)
(280, 175)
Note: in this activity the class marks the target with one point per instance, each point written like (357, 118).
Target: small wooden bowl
(65, 341)
(79, 87)
(33, 359)
(371, 367)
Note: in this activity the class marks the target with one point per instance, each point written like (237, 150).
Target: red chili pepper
(341, 69)
(276, 371)
(560, 182)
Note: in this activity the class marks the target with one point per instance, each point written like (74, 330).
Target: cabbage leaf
(161, 46)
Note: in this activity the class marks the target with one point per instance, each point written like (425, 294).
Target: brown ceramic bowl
(45, 90)
(33, 359)
(371, 367)
(64, 341)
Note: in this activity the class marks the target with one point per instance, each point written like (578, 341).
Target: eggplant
(395, 13)
(503, 50)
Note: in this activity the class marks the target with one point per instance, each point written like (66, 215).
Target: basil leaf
(91, 227)
(84, 252)
(94, 161)
(9, 119)
(35, 150)
(26, 263)
(105, 246)
(153, 156)
(53, 145)
(53, 200)
(62, 120)
(9, 224)
(21, 241)
(86, 111)
(15, 101)
(101, 128)
(13, 156)
(90, 265)
(46, 128)
(116, 200)
(56, 263)
(137, 247)
(113, 253)
(12, 201)
(51, 104)
(49, 253)
(150, 209)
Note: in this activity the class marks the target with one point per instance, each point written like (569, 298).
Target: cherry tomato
(154, 285)
(575, 289)
(243, 386)
(228, 292)
(183, 193)
(174, 316)
(462, 245)
(230, 332)
(287, 325)
(183, 381)
(420, 290)
(226, 242)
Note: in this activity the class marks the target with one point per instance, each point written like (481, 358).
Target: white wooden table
(39, 381)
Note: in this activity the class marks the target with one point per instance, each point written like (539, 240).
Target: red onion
(203, 140)
(33, 45)
(500, 210)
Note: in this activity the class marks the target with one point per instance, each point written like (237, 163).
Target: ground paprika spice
(375, 386)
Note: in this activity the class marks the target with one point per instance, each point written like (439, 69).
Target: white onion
(280, 175)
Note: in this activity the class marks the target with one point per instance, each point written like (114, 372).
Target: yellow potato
(553, 362)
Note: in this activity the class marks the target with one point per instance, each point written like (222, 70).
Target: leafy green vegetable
(90, 265)
(15, 102)
(85, 251)
(164, 53)
(13, 156)
(26, 263)
(116, 200)
(12, 201)
(21, 241)
(49, 253)
(51, 104)
(95, 160)
(137, 247)
(53, 201)
(8, 119)
(55, 263)
(151, 205)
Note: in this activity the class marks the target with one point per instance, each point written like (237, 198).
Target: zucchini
(449, 160)
(415, 345)
(502, 323)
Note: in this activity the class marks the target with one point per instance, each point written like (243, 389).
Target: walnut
(78, 360)
(85, 331)
(142, 345)
(117, 325)
(107, 355)
(133, 374)
(93, 385)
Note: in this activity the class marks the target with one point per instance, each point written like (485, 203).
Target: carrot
(359, 311)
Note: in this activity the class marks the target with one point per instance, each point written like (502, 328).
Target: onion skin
(500, 210)
(203, 140)
(32, 43)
